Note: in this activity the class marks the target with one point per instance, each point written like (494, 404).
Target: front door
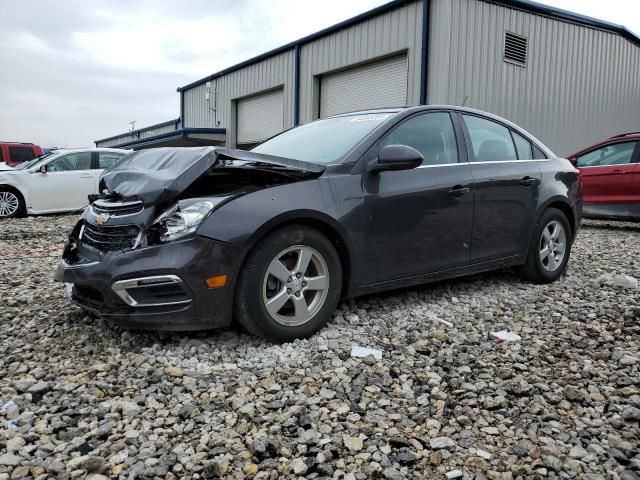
(419, 221)
(66, 184)
(506, 184)
(607, 174)
(634, 207)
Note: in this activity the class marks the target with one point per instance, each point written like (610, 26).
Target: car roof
(621, 137)
(99, 149)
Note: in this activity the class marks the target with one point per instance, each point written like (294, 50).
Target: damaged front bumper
(159, 287)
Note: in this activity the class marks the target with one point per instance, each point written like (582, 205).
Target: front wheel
(290, 284)
(549, 249)
(11, 204)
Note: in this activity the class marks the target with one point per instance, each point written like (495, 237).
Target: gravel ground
(81, 398)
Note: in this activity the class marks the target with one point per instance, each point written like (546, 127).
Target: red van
(610, 173)
(14, 153)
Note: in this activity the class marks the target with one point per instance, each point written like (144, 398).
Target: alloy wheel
(9, 204)
(295, 285)
(553, 245)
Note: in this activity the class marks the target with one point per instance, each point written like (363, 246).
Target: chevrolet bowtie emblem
(102, 218)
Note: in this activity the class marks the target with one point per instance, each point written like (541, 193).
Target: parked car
(184, 239)
(56, 182)
(14, 153)
(611, 177)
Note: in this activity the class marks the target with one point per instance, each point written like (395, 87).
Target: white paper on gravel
(505, 336)
(362, 352)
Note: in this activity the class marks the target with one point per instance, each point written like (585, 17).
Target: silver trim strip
(621, 165)
(482, 163)
(120, 288)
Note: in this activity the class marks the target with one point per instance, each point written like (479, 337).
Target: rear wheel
(290, 285)
(549, 249)
(11, 204)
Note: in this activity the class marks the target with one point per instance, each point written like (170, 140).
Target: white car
(59, 181)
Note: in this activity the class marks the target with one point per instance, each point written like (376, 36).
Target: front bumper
(160, 287)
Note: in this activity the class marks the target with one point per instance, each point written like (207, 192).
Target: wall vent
(515, 49)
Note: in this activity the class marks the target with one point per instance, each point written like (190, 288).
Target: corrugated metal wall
(392, 32)
(137, 134)
(265, 75)
(580, 84)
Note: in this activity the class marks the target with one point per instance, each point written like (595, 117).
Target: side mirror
(43, 169)
(573, 161)
(397, 157)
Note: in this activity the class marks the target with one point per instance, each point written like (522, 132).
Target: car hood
(5, 168)
(160, 175)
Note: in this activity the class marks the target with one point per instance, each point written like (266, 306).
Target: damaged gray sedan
(190, 238)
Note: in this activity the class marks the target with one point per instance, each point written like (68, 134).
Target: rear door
(506, 185)
(66, 185)
(419, 221)
(607, 174)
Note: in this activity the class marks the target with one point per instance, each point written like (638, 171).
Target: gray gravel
(84, 399)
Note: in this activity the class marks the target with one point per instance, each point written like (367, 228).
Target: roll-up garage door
(260, 117)
(374, 85)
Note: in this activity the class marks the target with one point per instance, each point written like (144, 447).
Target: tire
(547, 266)
(318, 285)
(11, 204)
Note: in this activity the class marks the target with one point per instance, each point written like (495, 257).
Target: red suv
(13, 153)
(611, 177)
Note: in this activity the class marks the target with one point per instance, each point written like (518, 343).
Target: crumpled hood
(161, 174)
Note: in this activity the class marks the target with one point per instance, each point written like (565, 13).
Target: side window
(616, 154)
(523, 146)
(431, 134)
(106, 159)
(70, 162)
(538, 154)
(21, 154)
(491, 141)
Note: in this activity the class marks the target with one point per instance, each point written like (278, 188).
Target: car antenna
(465, 100)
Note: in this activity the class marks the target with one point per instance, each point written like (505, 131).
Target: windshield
(322, 141)
(32, 163)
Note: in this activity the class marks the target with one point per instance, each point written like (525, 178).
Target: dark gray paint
(392, 229)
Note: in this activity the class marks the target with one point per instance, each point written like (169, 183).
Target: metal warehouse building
(568, 79)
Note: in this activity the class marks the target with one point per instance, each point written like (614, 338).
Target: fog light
(216, 282)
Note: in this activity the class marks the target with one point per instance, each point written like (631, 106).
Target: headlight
(181, 220)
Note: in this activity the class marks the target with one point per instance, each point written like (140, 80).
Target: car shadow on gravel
(105, 335)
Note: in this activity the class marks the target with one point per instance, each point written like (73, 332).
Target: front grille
(116, 209)
(120, 237)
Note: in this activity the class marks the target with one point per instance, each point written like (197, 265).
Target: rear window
(21, 154)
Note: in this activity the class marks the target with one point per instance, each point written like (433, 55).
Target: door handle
(617, 170)
(86, 176)
(528, 181)
(458, 191)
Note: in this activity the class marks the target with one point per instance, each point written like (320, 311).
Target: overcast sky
(74, 71)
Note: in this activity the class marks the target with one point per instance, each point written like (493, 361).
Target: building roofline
(140, 130)
(566, 15)
(301, 41)
(181, 133)
(527, 5)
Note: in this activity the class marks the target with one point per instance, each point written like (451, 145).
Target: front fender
(18, 185)
(335, 203)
